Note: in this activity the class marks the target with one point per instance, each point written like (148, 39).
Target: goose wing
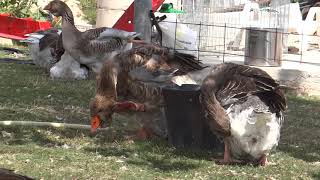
(237, 82)
(104, 40)
(93, 33)
(101, 46)
(48, 40)
(148, 67)
(156, 58)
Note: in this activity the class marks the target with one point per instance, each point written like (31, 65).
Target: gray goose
(44, 47)
(244, 106)
(132, 81)
(93, 46)
(47, 50)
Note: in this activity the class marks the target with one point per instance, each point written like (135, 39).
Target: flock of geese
(243, 105)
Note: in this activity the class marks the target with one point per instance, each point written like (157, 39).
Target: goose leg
(263, 160)
(227, 155)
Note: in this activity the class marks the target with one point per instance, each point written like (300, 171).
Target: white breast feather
(253, 133)
(68, 68)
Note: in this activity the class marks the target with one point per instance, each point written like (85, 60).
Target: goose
(244, 106)
(132, 81)
(93, 46)
(44, 47)
(47, 51)
(9, 174)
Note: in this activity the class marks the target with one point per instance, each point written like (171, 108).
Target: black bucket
(185, 118)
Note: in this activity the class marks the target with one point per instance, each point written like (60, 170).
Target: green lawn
(27, 94)
(4, 54)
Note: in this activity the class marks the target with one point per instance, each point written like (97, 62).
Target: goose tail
(186, 62)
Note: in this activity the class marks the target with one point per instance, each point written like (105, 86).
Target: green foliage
(89, 8)
(17, 8)
(38, 14)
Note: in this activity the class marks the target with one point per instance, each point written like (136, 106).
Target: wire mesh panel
(221, 24)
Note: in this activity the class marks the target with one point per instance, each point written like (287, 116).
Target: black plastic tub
(185, 118)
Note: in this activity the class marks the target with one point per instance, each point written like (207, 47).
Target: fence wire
(226, 31)
(229, 44)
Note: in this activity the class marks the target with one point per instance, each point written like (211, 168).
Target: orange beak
(95, 123)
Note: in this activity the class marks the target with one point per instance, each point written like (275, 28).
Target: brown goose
(93, 46)
(132, 80)
(244, 106)
(6, 174)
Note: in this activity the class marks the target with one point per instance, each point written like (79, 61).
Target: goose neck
(107, 80)
(67, 19)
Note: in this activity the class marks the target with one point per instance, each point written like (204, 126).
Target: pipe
(49, 124)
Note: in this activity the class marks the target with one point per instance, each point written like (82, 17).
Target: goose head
(56, 7)
(102, 109)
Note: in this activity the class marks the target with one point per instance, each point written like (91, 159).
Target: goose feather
(245, 106)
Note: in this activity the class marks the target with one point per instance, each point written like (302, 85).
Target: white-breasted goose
(132, 80)
(93, 46)
(45, 47)
(244, 106)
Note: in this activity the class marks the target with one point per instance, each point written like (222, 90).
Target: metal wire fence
(235, 44)
(243, 31)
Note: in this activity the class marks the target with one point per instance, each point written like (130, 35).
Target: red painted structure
(127, 19)
(16, 28)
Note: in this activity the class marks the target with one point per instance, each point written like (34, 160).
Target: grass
(26, 93)
(17, 45)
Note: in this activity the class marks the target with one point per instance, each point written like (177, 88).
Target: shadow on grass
(301, 130)
(157, 154)
(41, 136)
(22, 136)
(164, 164)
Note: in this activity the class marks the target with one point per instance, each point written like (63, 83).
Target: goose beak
(95, 124)
(47, 7)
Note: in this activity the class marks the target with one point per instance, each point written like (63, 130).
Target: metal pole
(224, 41)
(142, 23)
